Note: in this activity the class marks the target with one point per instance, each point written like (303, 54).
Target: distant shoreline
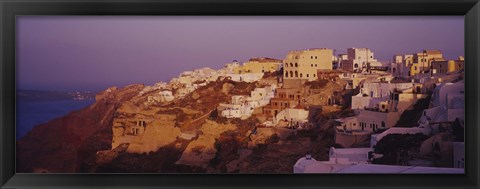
(35, 95)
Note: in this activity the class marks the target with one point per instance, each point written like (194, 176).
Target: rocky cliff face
(122, 133)
(108, 135)
(69, 143)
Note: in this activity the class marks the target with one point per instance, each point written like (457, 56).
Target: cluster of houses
(243, 106)
(386, 90)
(446, 108)
(188, 81)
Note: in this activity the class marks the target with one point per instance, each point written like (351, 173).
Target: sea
(32, 113)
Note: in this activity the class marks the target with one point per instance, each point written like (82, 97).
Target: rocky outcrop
(199, 152)
(69, 143)
(158, 134)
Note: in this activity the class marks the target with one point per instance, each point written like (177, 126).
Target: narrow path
(202, 117)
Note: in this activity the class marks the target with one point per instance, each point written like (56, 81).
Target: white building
(348, 124)
(381, 89)
(359, 59)
(234, 110)
(245, 77)
(347, 166)
(302, 163)
(297, 116)
(261, 96)
(447, 105)
(373, 93)
(162, 96)
(351, 155)
(166, 95)
(338, 158)
(372, 121)
(243, 106)
(184, 91)
(450, 95)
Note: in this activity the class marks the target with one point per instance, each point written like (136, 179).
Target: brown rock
(69, 143)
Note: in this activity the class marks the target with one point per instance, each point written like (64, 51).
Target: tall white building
(358, 59)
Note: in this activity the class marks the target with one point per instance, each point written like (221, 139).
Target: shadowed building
(422, 61)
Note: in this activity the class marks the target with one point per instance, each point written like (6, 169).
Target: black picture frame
(9, 9)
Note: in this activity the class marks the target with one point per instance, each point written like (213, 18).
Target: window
(311, 65)
(301, 75)
(291, 64)
(286, 64)
(311, 57)
(316, 65)
(315, 57)
(296, 64)
(383, 124)
(296, 73)
(415, 68)
(308, 75)
(314, 75)
(286, 74)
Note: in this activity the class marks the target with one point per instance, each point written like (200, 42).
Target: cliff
(69, 143)
(122, 132)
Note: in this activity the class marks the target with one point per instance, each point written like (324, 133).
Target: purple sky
(96, 52)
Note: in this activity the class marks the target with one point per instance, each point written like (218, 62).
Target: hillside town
(417, 98)
(313, 111)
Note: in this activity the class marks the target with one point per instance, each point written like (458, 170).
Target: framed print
(183, 94)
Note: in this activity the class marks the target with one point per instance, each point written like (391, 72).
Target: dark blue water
(33, 113)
